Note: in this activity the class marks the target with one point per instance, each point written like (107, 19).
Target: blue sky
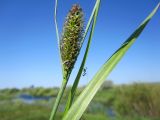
(28, 45)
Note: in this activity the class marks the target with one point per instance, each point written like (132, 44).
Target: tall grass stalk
(58, 99)
(64, 81)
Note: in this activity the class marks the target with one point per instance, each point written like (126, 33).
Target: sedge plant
(70, 43)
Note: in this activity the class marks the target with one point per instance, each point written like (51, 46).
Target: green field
(112, 102)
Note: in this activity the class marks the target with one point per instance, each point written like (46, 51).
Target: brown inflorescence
(71, 39)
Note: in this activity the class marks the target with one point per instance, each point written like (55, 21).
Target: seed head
(71, 39)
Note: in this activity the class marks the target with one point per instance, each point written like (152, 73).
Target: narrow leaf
(87, 95)
(90, 20)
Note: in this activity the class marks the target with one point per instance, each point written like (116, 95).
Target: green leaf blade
(90, 20)
(86, 96)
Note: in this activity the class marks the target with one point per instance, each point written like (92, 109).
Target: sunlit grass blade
(91, 89)
(90, 20)
(75, 84)
(57, 32)
(55, 21)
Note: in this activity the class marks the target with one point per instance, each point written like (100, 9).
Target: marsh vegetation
(113, 102)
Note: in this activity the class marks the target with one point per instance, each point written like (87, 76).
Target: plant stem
(58, 99)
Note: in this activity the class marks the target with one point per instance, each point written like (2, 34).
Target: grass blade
(75, 84)
(55, 21)
(86, 96)
(57, 33)
(90, 20)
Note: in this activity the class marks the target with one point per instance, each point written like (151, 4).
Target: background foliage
(138, 101)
